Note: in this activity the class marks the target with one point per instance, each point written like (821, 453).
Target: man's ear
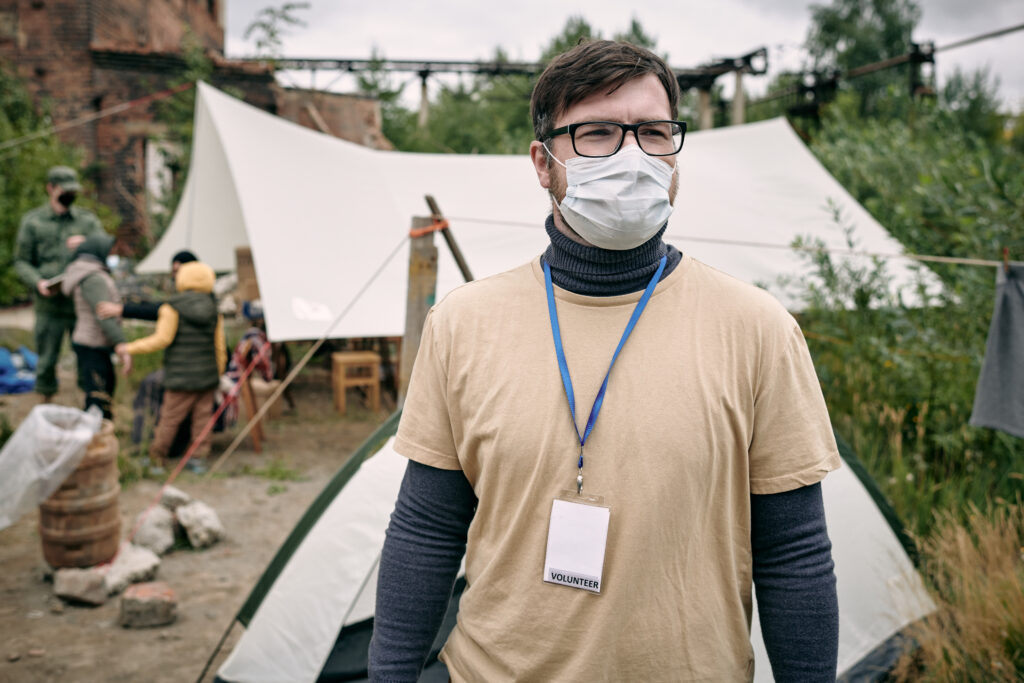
(539, 157)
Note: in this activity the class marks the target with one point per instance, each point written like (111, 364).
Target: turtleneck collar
(593, 271)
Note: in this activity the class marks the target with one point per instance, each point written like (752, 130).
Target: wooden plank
(248, 288)
(449, 238)
(420, 297)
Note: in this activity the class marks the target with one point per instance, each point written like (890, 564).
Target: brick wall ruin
(82, 56)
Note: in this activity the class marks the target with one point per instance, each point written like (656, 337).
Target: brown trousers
(176, 406)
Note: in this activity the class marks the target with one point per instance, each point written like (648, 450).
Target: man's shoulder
(730, 296)
(488, 293)
(83, 215)
(35, 214)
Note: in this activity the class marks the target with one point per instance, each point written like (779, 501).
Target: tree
(769, 109)
(23, 172)
(852, 33)
(638, 36)
(397, 123)
(270, 24)
(576, 30)
(971, 100)
(488, 115)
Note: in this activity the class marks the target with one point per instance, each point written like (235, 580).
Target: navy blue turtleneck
(426, 539)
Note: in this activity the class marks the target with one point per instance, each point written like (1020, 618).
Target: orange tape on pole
(433, 227)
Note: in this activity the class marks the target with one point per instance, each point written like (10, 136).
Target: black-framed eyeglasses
(604, 138)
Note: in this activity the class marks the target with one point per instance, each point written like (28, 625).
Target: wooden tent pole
(421, 293)
(449, 238)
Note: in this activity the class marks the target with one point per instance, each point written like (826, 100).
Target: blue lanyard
(563, 366)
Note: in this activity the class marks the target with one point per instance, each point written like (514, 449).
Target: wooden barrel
(80, 524)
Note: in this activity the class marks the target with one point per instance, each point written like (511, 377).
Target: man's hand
(108, 309)
(43, 289)
(73, 241)
(126, 358)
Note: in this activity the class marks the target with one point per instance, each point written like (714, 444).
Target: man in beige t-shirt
(621, 438)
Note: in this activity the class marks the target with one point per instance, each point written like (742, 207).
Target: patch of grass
(275, 489)
(975, 572)
(129, 469)
(275, 470)
(14, 338)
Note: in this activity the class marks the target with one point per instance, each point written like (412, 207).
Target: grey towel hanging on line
(999, 398)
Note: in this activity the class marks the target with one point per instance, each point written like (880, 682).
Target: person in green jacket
(47, 237)
(88, 282)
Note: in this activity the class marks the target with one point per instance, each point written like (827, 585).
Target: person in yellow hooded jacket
(191, 333)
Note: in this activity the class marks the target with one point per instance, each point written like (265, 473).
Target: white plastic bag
(40, 455)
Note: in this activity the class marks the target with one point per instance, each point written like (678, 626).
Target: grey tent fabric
(999, 398)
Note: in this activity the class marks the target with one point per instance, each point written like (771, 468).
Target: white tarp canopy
(322, 215)
(330, 579)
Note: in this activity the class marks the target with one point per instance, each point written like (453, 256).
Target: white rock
(201, 524)
(156, 531)
(132, 564)
(173, 498)
(83, 585)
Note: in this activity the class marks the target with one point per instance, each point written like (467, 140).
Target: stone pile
(147, 602)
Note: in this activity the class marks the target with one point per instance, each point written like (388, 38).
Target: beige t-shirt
(713, 398)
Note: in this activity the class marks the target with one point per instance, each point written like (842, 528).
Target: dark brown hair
(595, 66)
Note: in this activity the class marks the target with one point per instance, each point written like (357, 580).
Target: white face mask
(617, 202)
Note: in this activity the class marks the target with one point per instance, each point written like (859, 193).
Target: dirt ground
(44, 639)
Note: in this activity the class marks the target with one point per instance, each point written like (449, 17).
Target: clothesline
(110, 111)
(956, 260)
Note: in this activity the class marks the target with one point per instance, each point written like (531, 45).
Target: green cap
(64, 177)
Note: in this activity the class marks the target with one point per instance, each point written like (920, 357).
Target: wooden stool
(355, 369)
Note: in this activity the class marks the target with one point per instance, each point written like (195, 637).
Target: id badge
(577, 534)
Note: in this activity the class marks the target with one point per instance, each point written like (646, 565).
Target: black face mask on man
(66, 199)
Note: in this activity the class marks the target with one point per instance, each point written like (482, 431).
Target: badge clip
(579, 477)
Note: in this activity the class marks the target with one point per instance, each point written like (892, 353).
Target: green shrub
(899, 377)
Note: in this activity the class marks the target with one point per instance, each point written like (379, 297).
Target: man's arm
(140, 310)
(795, 584)
(166, 328)
(24, 255)
(426, 540)
(220, 346)
(93, 226)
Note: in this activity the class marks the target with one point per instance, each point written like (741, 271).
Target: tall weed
(975, 572)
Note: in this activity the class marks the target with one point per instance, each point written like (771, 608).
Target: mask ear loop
(552, 155)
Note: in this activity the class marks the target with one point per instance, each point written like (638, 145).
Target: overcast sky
(691, 32)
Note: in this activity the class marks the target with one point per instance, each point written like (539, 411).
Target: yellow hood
(195, 277)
